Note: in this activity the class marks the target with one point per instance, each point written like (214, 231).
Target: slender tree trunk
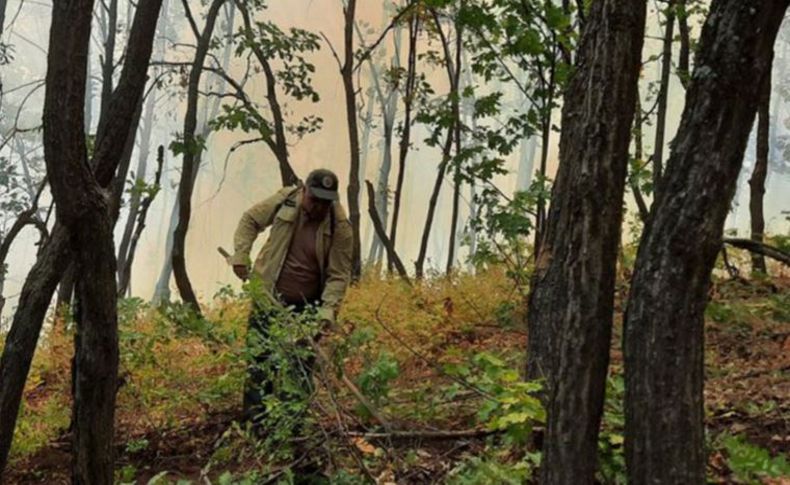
(280, 143)
(405, 140)
(759, 174)
(108, 60)
(347, 73)
(639, 154)
(664, 323)
(162, 290)
(663, 97)
(389, 106)
(453, 75)
(685, 43)
(540, 219)
(192, 148)
(457, 182)
(134, 200)
(571, 302)
(145, 204)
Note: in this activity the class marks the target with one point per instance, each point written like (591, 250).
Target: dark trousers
(276, 369)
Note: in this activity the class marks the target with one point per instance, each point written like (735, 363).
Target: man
(304, 265)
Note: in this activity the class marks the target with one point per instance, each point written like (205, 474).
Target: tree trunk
(124, 265)
(663, 98)
(540, 218)
(108, 60)
(287, 173)
(457, 182)
(405, 140)
(571, 303)
(145, 204)
(664, 323)
(685, 43)
(347, 73)
(192, 148)
(526, 162)
(453, 77)
(389, 107)
(67, 65)
(639, 154)
(22, 338)
(759, 174)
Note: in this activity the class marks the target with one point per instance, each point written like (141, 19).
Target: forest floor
(441, 357)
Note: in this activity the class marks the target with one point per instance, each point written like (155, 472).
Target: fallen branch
(426, 434)
(382, 234)
(759, 248)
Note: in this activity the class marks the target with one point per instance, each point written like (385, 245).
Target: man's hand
(242, 271)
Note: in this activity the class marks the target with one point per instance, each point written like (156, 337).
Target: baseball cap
(322, 184)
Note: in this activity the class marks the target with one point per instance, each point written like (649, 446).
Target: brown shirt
(300, 278)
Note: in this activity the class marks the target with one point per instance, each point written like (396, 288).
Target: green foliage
(376, 378)
(751, 464)
(192, 146)
(487, 470)
(611, 454)
(511, 405)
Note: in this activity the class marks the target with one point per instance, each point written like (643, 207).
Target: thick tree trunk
(663, 98)
(66, 66)
(405, 140)
(22, 338)
(571, 302)
(664, 323)
(759, 174)
(192, 148)
(347, 73)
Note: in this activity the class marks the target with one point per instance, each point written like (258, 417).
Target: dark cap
(322, 184)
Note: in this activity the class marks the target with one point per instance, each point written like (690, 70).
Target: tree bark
(70, 58)
(759, 174)
(663, 98)
(571, 303)
(405, 140)
(347, 73)
(664, 322)
(192, 148)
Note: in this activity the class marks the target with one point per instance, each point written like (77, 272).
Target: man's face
(315, 208)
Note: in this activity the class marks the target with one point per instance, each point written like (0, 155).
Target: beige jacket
(281, 212)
